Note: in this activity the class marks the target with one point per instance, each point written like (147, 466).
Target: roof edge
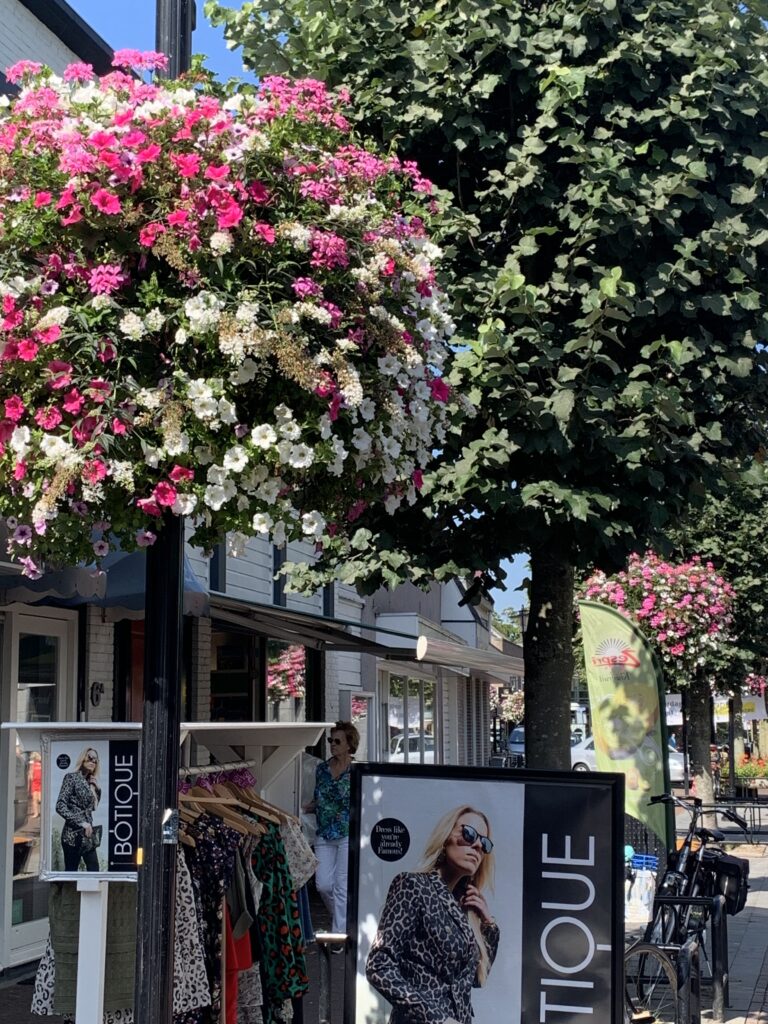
(73, 31)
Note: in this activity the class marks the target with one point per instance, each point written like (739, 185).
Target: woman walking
(331, 807)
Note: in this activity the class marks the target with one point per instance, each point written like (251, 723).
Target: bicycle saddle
(713, 835)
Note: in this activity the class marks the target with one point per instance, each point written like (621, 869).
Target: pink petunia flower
(106, 202)
(17, 71)
(164, 494)
(61, 374)
(440, 390)
(180, 474)
(78, 72)
(27, 349)
(105, 279)
(48, 418)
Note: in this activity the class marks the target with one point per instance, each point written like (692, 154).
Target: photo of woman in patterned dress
(436, 937)
(78, 799)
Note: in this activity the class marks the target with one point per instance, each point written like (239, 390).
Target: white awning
(441, 652)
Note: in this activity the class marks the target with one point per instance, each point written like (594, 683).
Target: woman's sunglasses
(331, 740)
(471, 835)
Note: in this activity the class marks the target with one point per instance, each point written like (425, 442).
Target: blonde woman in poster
(436, 938)
(78, 798)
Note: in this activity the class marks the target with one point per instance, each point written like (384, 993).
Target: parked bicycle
(699, 868)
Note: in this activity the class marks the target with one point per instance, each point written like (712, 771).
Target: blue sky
(131, 24)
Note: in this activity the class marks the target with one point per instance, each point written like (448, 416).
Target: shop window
(286, 682)
(359, 708)
(409, 720)
(234, 670)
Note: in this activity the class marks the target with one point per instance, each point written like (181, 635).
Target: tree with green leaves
(732, 533)
(607, 243)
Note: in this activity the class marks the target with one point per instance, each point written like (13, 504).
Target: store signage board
(90, 804)
(558, 894)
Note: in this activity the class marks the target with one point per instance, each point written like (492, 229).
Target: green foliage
(607, 243)
(732, 532)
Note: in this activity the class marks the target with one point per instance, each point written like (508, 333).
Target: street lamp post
(161, 720)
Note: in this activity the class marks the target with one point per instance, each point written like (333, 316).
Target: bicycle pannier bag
(733, 882)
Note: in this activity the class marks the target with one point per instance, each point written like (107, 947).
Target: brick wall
(99, 659)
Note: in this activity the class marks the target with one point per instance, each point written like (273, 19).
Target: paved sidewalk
(748, 946)
(747, 943)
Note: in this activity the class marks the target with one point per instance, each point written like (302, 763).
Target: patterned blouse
(332, 802)
(77, 802)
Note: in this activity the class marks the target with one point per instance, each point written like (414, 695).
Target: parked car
(516, 747)
(583, 759)
(397, 749)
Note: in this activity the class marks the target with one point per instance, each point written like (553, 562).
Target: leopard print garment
(424, 958)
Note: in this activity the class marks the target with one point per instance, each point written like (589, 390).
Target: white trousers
(331, 878)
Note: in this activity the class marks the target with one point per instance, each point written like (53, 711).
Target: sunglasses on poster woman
(470, 836)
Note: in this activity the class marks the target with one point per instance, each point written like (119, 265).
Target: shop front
(38, 684)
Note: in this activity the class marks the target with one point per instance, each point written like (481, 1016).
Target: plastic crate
(645, 861)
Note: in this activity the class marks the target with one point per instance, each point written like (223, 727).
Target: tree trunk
(699, 736)
(548, 655)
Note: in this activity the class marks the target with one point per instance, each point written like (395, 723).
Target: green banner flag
(625, 696)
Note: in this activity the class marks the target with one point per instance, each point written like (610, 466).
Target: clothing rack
(212, 769)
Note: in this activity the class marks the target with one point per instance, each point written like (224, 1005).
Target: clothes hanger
(254, 803)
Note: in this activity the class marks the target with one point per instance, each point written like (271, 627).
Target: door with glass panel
(39, 688)
(409, 720)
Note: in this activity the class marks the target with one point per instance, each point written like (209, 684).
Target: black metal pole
(174, 24)
(684, 739)
(159, 774)
(163, 627)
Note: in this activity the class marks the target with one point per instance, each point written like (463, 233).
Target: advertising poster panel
(90, 805)
(484, 895)
(627, 704)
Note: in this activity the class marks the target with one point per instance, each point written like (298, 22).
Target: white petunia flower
(269, 491)
(217, 495)
(262, 522)
(221, 242)
(227, 411)
(361, 439)
(133, 327)
(154, 319)
(203, 455)
(245, 372)
(312, 525)
(19, 441)
(184, 505)
(389, 366)
(301, 456)
(236, 458)
(392, 503)
(290, 430)
(263, 436)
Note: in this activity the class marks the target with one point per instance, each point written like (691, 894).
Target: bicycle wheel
(650, 985)
(664, 927)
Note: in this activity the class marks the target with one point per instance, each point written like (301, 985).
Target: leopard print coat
(424, 958)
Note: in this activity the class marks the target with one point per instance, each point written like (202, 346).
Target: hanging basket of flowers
(213, 302)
